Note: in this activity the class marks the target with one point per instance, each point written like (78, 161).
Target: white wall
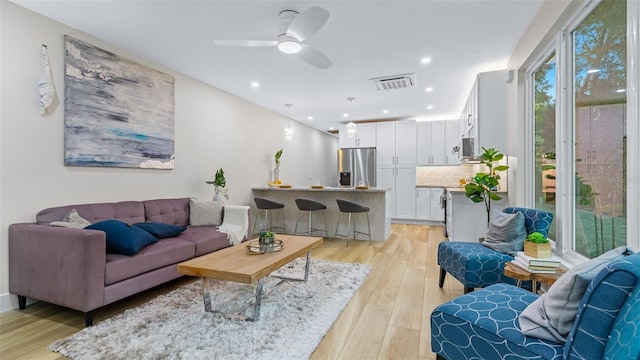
(212, 129)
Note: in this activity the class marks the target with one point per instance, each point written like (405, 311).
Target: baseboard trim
(8, 302)
(417, 222)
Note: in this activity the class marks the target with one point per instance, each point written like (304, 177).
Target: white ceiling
(364, 39)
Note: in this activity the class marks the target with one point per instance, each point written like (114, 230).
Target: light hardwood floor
(388, 318)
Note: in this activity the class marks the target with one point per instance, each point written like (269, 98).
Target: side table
(520, 274)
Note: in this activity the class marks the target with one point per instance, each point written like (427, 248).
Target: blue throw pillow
(160, 230)
(123, 238)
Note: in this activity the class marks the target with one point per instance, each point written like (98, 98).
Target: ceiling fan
(295, 28)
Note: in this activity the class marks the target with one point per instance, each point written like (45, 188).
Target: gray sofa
(70, 267)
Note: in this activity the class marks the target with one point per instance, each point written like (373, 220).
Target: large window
(578, 129)
(599, 88)
(544, 81)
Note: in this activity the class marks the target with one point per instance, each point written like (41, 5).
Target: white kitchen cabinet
(428, 204)
(435, 141)
(430, 142)
(406, 143)
(396, 161)
(402, 181)
(386, 179)
(452, 138)
(484, 117)
(365, 137)
(405, 194)
(396, 143)
(423, 204)
(386, 143)
(437, 212)
(467, 221)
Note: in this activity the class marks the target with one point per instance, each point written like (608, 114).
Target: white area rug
(293, 320)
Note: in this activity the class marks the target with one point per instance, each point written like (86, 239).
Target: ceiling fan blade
(246, 42)
(308, 22)
(314, 57)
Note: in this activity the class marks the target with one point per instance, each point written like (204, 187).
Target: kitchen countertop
(376, 199)
(461, 190)
(325, 189)
(455, 189)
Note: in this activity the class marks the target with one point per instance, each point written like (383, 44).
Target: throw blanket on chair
(235, 223)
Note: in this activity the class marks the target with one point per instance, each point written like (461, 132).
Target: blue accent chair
(484, 324)
(477, 266)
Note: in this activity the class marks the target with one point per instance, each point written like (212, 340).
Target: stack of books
(536, 265)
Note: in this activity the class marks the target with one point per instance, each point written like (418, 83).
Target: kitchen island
(465, 220)
(376, 199)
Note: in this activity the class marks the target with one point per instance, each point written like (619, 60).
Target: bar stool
(266, 205)
(352, 208)
(310, 206)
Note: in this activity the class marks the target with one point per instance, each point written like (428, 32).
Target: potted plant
(220, 185)
(537, 245)
(276, 170)
(483, 184)
(265, 240)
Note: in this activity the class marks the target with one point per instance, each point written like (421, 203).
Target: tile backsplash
(449, 176)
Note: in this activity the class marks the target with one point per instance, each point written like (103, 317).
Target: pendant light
(288, 131)
(352, 128)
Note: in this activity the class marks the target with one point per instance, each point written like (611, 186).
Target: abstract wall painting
(118, 113)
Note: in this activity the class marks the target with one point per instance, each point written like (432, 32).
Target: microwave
(467, 150)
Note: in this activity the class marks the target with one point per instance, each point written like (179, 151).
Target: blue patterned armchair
(484, 324)
(477, 266)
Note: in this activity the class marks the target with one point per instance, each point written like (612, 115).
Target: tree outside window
(545, 138)
(599, 45)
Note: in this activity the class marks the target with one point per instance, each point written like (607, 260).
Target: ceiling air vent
(395, 82)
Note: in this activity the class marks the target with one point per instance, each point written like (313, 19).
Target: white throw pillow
(205, 212)
(552, 315)
(72, 220)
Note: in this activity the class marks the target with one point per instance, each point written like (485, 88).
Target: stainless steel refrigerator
(357, 166)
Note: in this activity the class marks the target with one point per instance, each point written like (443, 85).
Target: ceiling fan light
(352, 129)
(289, 46)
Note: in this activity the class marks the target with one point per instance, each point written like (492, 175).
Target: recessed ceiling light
(255, 84)
(309, 117)
(425, 60)
(331, 128)
(428, 89)
(430, 107)
(345, 115)
(385, 111)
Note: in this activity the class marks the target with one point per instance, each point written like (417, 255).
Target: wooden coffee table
(520, 274)
(236, 264)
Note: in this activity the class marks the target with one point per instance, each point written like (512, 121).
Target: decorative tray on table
(254, 247)
(317, 186)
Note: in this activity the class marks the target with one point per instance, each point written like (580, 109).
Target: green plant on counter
(278, 155)
(220, 183)
(538, 238)
(219, 180)
(481, 189)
